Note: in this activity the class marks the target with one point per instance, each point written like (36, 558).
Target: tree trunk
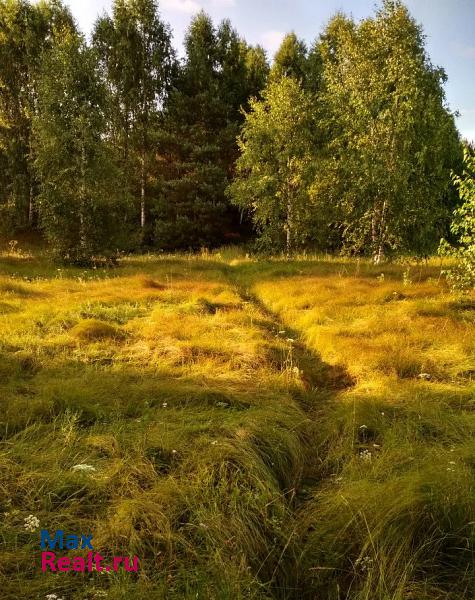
(374, 235)
(142, 194)
(31, 209)
(289, 225)
(31, 187)
(82, 203)
(378, 232)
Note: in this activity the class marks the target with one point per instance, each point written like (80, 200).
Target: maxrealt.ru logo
(93, 561)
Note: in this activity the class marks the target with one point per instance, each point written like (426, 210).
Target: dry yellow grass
(258, 429)
(393, 516)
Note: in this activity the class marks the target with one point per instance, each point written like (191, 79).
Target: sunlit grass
(255, 429)
(393, 516)
(153, 375)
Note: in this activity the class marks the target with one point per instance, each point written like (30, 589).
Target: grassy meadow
(250, 429)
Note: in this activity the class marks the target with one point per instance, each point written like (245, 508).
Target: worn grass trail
(249, 429)
(393, 514)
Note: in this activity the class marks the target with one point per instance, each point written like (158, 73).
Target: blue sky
(448, 24)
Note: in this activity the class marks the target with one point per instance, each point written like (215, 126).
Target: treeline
(117, 144)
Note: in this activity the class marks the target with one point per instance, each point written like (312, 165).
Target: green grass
(258, 429)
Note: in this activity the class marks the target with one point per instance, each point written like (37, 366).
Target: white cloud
(271, 40)
(188, 7)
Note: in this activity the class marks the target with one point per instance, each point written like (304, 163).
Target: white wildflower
(165, 404)
(31, 523)
(103, 571)
(424, 376)
(365, 455)
(84, 468)
(363, 564)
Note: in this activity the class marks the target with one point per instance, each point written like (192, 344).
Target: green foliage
(463, 228)
(198, 147)
(137, 61)
(26, 31)
(391, 138)
(293, 59)
(373, 179)
(82, 207)
(276, 165)
(290, 59)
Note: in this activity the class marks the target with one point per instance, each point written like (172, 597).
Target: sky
(448, 24)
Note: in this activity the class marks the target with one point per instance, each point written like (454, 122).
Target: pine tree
(290, 59)
(203, 115)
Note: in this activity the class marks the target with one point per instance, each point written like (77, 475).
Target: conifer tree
(203, 115)
(290, 59)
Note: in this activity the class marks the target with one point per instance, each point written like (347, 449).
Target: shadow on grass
(270, 269)
(198, 476)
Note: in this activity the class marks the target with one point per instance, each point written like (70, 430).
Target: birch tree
(276, 164)
(389, 133)
(27, 30)
(137, 61)
(82, 206)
